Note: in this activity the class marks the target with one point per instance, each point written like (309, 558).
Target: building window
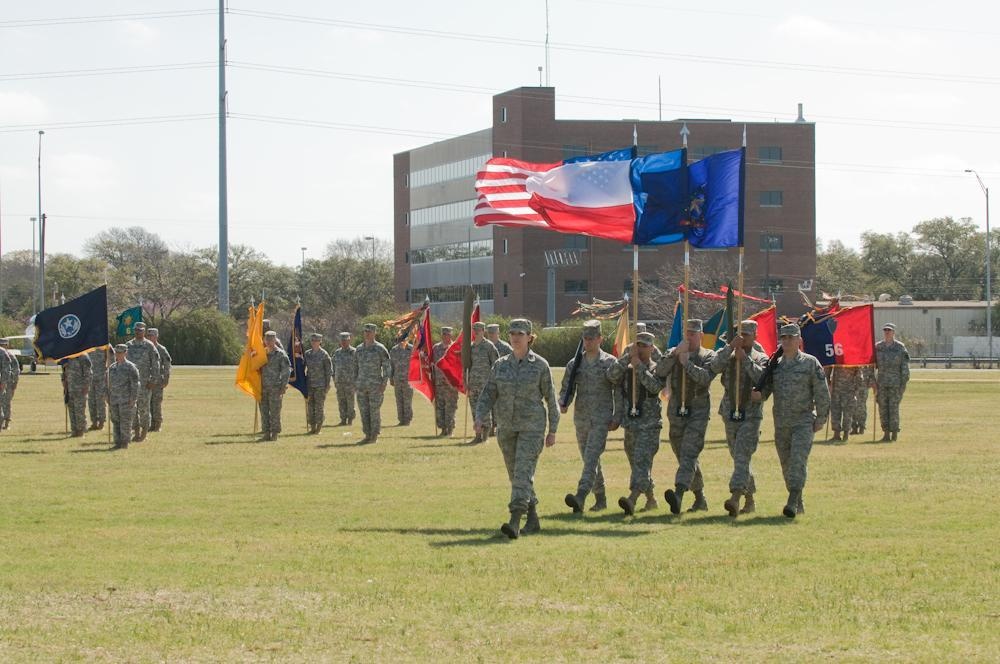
(454, 170)
(505, 246)
(505, 289)
(452, 252)
(937, 327)
(643, 150)
(772, 242)
(769, 153)
(643, 283)
(771, 198)
(504, 154)
(702, 151)
(406, 180)
(442, 214)
(772, 285)
(406, 258)
(450, 293)
(576, 287)
(503, 114)
(407, 294)
(570, 151)
(575, 242)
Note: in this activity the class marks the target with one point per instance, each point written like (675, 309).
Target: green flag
(127, 320)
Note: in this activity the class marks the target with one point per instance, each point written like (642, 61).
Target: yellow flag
(254, 354)
(621, 336)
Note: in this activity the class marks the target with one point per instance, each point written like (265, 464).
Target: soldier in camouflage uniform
(374, 369)
(96, 398)
(274, 382)
(77, 374)
(484, 354)
(844, 383)
(860, 419)
(655, 354)
(503, 348)
(8, 364)
(445, 394)
(642, 429)
(122, 392)
(143, 354)
(801, 406)
(689, 364)
(13, 376)
(742, 435)
(518, 385)
(598, 410)
(399, 356)
(156, 398)
(890, 384)
(319, 374)
(345, 373)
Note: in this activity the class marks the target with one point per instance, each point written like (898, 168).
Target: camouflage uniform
(77, 372)
(484, 354)
(8, 365)
(742, 436)
(96, 398)
(373, 369)
(893, 374)
(687, 434)
(122, 390)
(801, 398)
(445, 394)
(13, 375)
(345, 373)
(517, 388)
(597, 403)
(503, 348)
(274, 381)
(642, 431)
(144, 356)
(319, 374)
(860, 419)
(156, 398)
(843, 397)
(399, 356)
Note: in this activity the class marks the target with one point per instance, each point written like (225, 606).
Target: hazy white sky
(322, 93)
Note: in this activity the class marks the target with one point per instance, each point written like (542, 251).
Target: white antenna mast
(547, 65)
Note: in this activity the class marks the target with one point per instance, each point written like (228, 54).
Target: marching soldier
(445, 394)
(597, 410)
(156, 399)
(860, 419)
(642, 428)
(373, 370)
(743, 434)
(274, 382)
(77, 374)
(518, 385)
(13, 376)
(8, 364)
(503, 348)
(655, 353)
(890, 383)
(345, 373)
(143, 354)
(843, 399)
(688, 418)
(801, 406)
(319, 374)
(484, 354)
(122, 392)
(96, 398)
(399, 356)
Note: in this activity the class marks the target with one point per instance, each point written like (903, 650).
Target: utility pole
(223, 195)
(40, 293)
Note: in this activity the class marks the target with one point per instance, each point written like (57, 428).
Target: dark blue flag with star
(296, 355)
(73, 328)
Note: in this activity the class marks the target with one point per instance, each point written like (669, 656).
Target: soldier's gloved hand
(550, 440)
(634, 360)
(740, 353)
(563, 409)
(683, 357)
(756, 396)
(818, 424)
(392, 381)
(613, 425)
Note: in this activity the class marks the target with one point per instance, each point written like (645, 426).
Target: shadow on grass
(231, 441)
(93, 449)
(440, 445)
(354, 443)
(54, 437)
(23, 452)
(493, 536)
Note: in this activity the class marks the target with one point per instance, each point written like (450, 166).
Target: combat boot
(651, 503)
(700, 504)
(733, 504)
(575, 501)
(674, 498)
(885, 437)
(513, 527)
(93, 426)
(600, 502)
(749, 507)
(843, 438)
(893, 437)
(477, 439)
(800, 507)
(627, 503)
(792, 506)
(135, 437)
(531, 524)
(836, 436)
(142, 434)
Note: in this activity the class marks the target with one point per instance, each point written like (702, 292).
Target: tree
(950, 263)
(839, 269)
(886, 258)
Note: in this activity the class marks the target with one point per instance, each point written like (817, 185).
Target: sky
(321, 94)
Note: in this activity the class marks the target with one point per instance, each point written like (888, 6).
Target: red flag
(767, 329)
(450, 363)
(844, 338)
(725, 289)
(421, 359)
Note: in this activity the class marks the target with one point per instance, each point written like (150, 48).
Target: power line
(107, 71)
(103, 18)
(112, 122)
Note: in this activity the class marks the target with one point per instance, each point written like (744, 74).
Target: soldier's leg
(837, 412)
(692, 443)
(364, 408)
(408, 404)
(452, 408)
(737, 481)
(79, 414)
(882, 397)
(894, 398)
(783, 446)
(861, 409)
(319, 415)
(646, 447)
(276, 400)
(341, 402)
(527, 450)
(400, 404)
(438, 408)
(126, 418)
(265, 413)
(311, 411)
(629, 445)
(507, 441)
(117, 421)
(586, 482)
(801, 440)
(92, 402)
(375, 400)
(156, 408)
(597, 441)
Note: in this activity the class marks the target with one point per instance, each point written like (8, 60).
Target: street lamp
(303, 258)
(989, 298)
(34, 267)
(372, 238)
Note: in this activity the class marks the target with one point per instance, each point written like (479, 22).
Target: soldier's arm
(904, 369)
(616, 371)
(665, 365)
(549, 394)
(133, 385)
(167, 365)
(721, 359)
(821, 393)
(701, 376)
(648, 379)
(154, 366)
(327, 371)
(563, 397)
(487, 397)
(753, 366)
(286, 370)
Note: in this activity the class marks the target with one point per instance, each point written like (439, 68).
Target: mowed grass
(202, 544)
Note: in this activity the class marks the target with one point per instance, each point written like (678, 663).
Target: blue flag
(715, 192)
(622, 154)
(659, 186)
(297, 378)
(677, 329)
(73, 328)
(127, 320)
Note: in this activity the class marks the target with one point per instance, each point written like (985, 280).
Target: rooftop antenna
(539, 76)
(548, 67)
(659, 94)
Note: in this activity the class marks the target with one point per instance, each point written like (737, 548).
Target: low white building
(928, 327)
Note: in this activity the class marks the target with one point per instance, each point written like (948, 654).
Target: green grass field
(202, 544)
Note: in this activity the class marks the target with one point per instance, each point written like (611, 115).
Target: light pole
(989, 297)
(303, 259)
(40, 292)
(372, 238)
(34, 268)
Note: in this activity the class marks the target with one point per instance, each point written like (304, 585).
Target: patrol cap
(370, 327)
(592, 328)
(152, 332)
(493, 327)
(479, 325)
(790, 330)
(121, 348)
(694, 325)
(645, 338)
(345, 336)
(266, 322)
(139, 326)
(889, 326)
(446, 330)
(520, 325)
(4, 342)
(748, 326)
(315, 336)
(640, 327)
(270, 334)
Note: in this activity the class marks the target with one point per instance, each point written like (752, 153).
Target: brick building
(438, 250)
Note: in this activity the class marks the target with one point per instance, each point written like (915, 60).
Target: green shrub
(203, 336)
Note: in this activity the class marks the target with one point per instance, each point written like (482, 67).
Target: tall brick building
(438, 250)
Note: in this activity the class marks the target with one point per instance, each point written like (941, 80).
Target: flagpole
(833, 379)
(682, 408)
(737, 413)
(635, 324)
